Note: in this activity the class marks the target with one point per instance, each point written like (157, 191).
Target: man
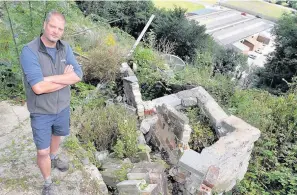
(49, 67)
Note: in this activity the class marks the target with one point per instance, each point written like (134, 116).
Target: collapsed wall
(218, 167)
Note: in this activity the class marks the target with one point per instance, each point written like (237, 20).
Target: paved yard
(19, 174)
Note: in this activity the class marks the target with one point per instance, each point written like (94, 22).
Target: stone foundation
(217, 167)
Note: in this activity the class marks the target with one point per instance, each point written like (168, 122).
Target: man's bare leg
(44, 162)
(55, 143)
(57, 161)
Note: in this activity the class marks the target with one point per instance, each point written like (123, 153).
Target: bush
(126, 145)
(224, 61)
(104, 63)
(105, 126)
(79, 92)
(220, 87)
(11, 85)
(148, 73)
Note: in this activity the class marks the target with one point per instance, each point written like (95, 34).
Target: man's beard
(52, 40)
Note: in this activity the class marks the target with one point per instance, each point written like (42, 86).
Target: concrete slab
(192, 161)
(172, 100)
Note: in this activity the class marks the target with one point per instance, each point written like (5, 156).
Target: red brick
(211, 176)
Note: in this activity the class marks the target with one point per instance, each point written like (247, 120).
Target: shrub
(11, 85)
(220, 87)
(148, 73)
(104, 63)
(126, 145)
(80, 151)
(79, 92)
(105, 126)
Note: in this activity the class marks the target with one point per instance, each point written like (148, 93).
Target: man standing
(49, 67)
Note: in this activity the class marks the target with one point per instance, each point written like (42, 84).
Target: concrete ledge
(171, 100)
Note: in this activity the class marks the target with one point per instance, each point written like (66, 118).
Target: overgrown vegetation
(272, 169)
(107, 127)
(149, 72)
(11, 85)
(104, 63)
(219, 86)
(202, 135)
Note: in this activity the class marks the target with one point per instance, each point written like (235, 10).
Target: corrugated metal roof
(203, 11)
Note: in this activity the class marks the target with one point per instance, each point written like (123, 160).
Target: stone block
(215, 114)
(187, 130)
(140, 138)
(187, 102)
(161, 180)
(172, 100)
(131, 79)
(154, 167)
(140, 110)
(139, 176)
(148, 105)
(144, 156)
(111, 166)
(110, 178)
(129, 187)
(186, 94)
(151, 189)
(231, 154)
(145, 127)
(148, 123)
(202, 95)
(95, 175)
(233, 123)
(156, 174)
(193, 162)
(135, 86)
(124, 65)
(170, 114)
(100, 156)
(125, 70)
(193, 183)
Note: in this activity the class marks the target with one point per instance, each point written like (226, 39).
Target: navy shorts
(46, 125)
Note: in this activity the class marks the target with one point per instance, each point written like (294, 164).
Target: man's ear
(44, 24)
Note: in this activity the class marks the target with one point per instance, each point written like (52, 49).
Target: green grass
(263, 8)
(183, 4)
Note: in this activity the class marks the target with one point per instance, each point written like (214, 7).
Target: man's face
(54, 28)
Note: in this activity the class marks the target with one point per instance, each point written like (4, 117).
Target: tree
(226, 61)
(282, 63)
(173, 26)
(293, 4)
(130, 16)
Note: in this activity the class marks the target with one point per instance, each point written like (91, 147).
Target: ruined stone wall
(217, 167)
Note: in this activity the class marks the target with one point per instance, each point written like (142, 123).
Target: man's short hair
(54, 12)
